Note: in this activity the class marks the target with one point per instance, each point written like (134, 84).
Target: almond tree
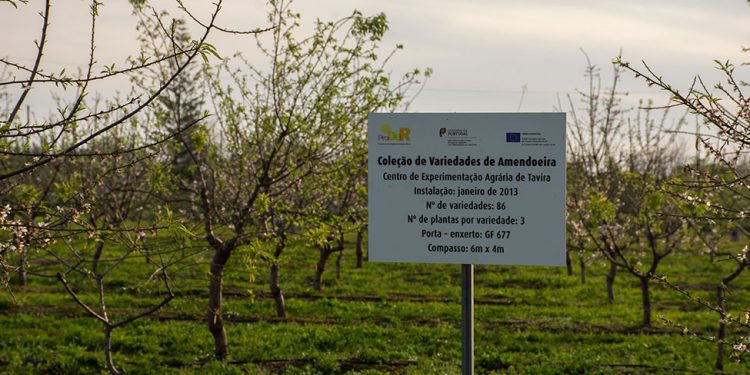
(636, 231)
(619, 205)
(338, 207)
(281, 217)
(31, 196)
(22, 78)
(28, 143)
(274, 125)
(595, 151)
(76, 140)
(104, 222)
(724, 110)
(358, 210)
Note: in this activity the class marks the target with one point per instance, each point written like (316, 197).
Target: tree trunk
(611, 282)
(23, 267)
(108, 351)
(340, 249)
(325, 252)
(216, 287)
(360, 239)
(338, 262)
(568, 262)
(276, 292)
(721, 335)
(97, 256)
(20, 242)
(582, 263)
(646, 299)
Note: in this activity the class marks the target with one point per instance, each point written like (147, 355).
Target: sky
(487, 56)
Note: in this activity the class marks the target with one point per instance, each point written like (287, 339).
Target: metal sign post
(467, 319)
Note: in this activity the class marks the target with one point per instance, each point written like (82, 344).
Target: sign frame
(467, 188)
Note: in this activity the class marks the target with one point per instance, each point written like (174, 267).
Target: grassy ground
(383, 318)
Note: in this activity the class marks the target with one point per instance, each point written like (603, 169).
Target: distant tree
(637, 231)
(619, 202)
(330, 218)
(356, 174)
(340, 206)
(179, 110)
(32, 199)
(595, 150)
(281, 216)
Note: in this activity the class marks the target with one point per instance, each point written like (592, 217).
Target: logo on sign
(388, 135)
(513, 137)
(454, 132)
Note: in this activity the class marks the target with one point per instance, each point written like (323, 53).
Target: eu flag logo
(513, 137)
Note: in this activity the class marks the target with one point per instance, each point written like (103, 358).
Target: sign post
(467, 319)
(473, 188)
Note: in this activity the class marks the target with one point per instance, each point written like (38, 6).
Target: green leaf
(207, 49)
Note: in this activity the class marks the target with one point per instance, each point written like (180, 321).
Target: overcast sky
(482, 52)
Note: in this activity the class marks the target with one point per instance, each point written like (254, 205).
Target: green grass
(381, 319)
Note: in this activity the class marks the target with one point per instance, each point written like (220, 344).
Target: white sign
(475, 188)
